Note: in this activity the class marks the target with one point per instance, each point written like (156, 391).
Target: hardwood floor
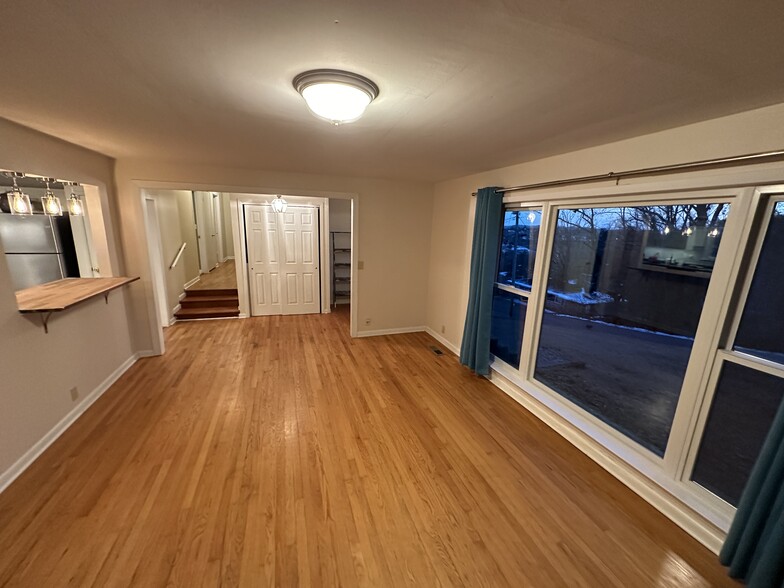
(222, 277)
(279, 451)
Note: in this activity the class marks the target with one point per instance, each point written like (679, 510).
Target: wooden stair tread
(211, 312)
(212, 292)
(223, 298)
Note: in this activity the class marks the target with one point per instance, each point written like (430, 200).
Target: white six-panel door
(283, 256)
(261, 226)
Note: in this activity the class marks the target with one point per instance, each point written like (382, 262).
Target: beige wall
(228, 239)
(394, 233)
(451, 232)
(190, 257)
(86, 344)
(339, 215)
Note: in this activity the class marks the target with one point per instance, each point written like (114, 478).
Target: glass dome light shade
(335, 95)
(337, 103)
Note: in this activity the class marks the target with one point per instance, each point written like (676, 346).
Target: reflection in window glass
(740, 418)
(625, 291)
(762, 323)
(506, 329)
(518, 247)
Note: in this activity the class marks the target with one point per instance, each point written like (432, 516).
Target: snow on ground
(583, 297)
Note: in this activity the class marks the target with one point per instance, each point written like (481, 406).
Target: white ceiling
(465, 85)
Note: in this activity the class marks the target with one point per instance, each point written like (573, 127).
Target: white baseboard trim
(687, 519)
(21, 464)
(395, 331)
(441, 339)
(191, 283)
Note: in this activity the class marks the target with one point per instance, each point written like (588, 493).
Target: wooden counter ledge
(62, 294)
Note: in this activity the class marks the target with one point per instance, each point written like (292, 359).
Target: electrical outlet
(443, 329)
(74, 393)
(367, 322)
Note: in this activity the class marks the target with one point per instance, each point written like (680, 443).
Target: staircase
(203, 304)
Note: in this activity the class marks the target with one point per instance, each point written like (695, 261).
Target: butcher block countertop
(62, 294)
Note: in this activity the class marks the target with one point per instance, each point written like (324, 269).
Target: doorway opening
(192, 267)
(213, 294)
(203, 265)
(340, 256)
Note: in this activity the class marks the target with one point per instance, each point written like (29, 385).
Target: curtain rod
(645, 171)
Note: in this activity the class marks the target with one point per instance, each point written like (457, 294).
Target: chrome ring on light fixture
(336, 95)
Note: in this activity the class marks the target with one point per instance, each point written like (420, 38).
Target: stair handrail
(177, 257)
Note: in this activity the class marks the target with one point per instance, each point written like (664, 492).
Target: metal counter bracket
(45, 320)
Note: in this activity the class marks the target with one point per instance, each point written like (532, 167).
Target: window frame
(669, 471)
(537, 207)
(723, 352)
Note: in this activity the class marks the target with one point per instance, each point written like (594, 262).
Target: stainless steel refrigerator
(33, 249)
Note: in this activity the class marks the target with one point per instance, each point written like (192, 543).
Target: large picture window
(654, 327)
(625, 291)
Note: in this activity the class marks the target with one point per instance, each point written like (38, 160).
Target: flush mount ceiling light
(335, 95)
(279, 205)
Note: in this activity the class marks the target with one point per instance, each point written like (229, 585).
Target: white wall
(86, 344)
(394, 233)
(452, 226)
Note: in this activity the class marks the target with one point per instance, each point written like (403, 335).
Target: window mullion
(684, 436)
(536, 298)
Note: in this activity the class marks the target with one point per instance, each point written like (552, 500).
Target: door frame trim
(321, 200)
(155, 259)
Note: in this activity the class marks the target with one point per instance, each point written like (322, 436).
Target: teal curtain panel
(754, 548)
(475, 350)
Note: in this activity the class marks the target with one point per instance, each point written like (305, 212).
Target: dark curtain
(754, 549)
(475, 350)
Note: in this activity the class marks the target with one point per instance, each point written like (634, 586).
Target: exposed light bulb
(75, 207)
(51, 204)
(279, 204)
(19, 202)
(688, 231)
(666, 230)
